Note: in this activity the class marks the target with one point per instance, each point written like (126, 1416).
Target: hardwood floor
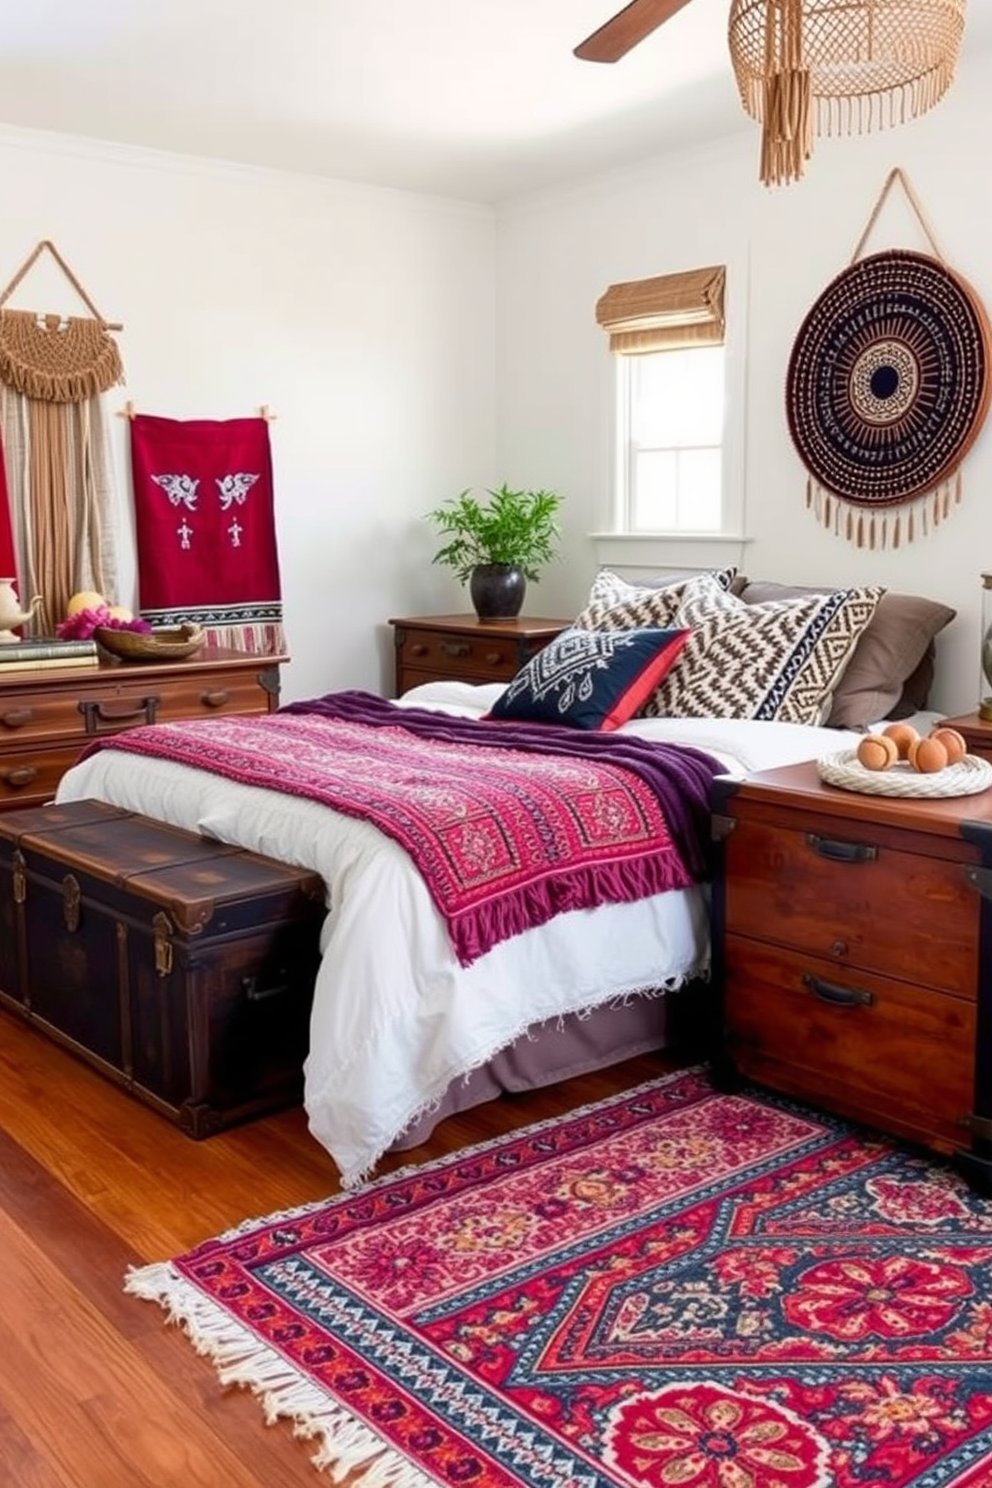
(96, 1390)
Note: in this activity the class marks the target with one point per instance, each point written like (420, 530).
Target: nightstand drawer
(838, 895)
(894, 1052)
(463, 648)
(454, 655)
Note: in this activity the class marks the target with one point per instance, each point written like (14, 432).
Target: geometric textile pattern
(615, 604)
(674, 1288)
(505, 830)
(888, 382)
(590, 679)
(780, 660)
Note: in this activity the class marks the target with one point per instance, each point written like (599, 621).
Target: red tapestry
(205, 528)
(672, 1289)
(7, 562)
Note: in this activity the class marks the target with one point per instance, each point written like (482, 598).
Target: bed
(402, 1031)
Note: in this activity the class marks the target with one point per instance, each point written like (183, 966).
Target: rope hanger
(31, 260)
(896, 174)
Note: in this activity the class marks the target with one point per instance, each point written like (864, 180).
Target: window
(667, 336)
(670, 444)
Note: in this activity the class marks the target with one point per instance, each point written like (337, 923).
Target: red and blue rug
(674, 1289)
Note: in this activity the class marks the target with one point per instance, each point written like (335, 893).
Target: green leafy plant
(516, 528)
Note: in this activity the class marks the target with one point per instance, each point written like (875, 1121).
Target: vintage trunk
(181, 968)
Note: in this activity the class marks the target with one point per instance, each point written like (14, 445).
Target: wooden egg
(952, 741)
(876, 752)
(928, 756)
(904, 736)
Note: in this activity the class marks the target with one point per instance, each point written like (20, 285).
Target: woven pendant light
(807, 67)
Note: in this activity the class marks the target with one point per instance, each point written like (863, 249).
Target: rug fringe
(346, 1445)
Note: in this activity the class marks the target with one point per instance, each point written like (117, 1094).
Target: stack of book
(49, 651)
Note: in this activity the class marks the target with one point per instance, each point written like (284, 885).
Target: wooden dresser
(853, 954)
(432, 648)
(48, 717)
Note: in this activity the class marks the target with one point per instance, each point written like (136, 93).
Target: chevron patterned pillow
(778, 661)
(616, 604)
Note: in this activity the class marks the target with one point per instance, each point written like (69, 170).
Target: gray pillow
(890, 672)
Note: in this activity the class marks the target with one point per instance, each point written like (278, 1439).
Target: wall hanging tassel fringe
(53, 371)
(879, 426)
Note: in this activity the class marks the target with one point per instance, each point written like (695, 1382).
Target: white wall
(559, 251)
(364, 318)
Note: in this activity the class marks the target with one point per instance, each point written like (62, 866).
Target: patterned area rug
(673, 1289)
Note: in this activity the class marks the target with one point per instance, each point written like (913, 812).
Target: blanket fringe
(347, 1446)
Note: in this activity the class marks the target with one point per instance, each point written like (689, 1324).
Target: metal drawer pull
(838, 996)
(255, 993)
(842, 852)
(98, 712)
(456, 648)
(22, 775)
(16, 717)
(215, 699)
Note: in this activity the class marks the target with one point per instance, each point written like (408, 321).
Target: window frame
(615, 545)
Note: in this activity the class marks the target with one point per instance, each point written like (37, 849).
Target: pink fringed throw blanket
(504, 837)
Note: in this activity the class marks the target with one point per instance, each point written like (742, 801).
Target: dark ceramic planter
(497, 590)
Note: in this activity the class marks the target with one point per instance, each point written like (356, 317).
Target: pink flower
(81, 625)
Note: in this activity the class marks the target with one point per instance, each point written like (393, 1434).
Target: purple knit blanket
(507, 825)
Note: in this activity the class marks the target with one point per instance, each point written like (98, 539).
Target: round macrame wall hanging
(887, 387)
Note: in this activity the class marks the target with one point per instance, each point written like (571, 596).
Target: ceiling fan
(617, 36)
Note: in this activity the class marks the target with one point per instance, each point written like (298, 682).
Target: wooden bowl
(158, 645)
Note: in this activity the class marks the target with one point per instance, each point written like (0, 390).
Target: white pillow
(778, 661)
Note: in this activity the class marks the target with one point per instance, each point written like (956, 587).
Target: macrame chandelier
(807, 67)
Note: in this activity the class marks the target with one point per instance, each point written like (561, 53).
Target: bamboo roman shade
(666, 313)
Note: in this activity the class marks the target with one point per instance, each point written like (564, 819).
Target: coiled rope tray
(969, 776)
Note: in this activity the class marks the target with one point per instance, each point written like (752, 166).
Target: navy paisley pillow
(590, 679)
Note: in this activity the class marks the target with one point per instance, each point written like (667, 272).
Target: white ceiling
(471, 98)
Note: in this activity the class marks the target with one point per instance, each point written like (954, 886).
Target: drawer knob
(23, 775)
(842, 852)
(493, 658)
(16, 717)
(843, 997)
(419, 649)
(839, 948)
(215, 699)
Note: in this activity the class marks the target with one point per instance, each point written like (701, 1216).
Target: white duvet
(395, 1017)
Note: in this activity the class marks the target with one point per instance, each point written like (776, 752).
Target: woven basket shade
(806, 67)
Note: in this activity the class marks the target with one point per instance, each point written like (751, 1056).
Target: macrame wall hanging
(53, 371)
(887, 388)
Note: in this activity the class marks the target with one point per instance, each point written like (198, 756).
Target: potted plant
(497, 545)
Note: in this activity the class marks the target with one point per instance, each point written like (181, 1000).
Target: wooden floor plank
(96, 1390)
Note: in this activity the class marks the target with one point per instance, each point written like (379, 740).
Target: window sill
(658, 551)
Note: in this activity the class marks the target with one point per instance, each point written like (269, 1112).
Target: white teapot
(10, 615)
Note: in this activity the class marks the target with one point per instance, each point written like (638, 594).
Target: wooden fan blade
(629, 26)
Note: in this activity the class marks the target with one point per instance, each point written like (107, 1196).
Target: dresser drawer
(858, 905)
(453, 655)
(29, 777)
(878, 1049)
(105, 706)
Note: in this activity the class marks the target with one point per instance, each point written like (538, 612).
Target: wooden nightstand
(976, 731)
(853, 954)
(463, 648)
